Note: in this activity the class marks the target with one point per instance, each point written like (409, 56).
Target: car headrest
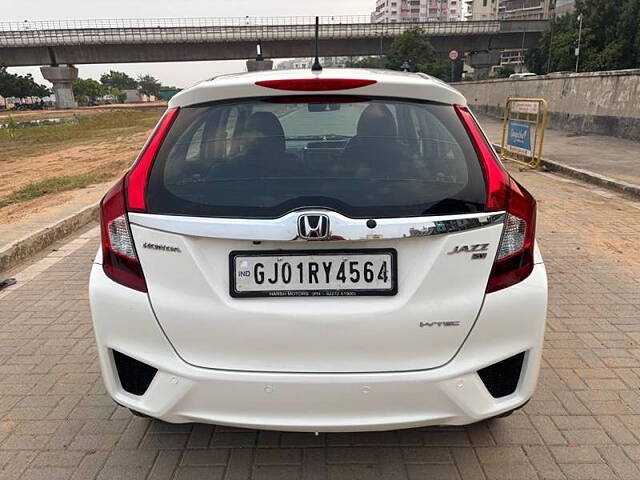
(377, 121)
(266, 133)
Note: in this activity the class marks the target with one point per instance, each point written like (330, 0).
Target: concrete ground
(613, 157)
(56, 422)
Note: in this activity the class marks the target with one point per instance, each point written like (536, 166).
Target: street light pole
(579, 40)
(553, 21)
(524, 34)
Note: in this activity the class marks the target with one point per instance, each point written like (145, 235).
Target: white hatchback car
(319, 251)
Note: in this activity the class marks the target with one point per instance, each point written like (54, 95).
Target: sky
(180, 74)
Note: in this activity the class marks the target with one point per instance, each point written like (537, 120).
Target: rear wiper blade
(330, 136)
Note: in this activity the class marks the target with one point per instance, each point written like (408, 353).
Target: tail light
(136, 179)
(119, 259)
(514, 260)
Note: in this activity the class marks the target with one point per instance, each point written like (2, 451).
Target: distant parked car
(108, 99)
(522, 75)
(326, 251)
(29, 106)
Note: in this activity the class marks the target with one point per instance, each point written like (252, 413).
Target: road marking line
(25, 276)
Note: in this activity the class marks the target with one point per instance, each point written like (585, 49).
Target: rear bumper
(512, 321)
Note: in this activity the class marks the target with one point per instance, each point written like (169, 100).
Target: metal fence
(108, 23)
(209, 30)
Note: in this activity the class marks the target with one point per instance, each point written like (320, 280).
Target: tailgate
(442, 271)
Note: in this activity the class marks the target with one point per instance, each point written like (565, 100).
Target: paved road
(612, 157)
(583, 423)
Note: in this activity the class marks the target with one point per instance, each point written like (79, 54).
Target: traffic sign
(454, 55)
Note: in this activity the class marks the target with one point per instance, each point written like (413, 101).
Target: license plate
(314, 273)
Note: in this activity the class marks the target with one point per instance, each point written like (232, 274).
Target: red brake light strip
(315, 84)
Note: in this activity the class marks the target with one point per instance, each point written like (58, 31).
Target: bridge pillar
(259, 65)
(62, 78)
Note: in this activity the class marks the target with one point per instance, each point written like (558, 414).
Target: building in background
(305, 63)
(456, 10)
(136, 96)
(514, 58)
(525, 9)
(472, 10)
(514, 9)
(564, 6)
(478, 10)
(417, 11)
(522, 10)
(294, 63)
(481, 10)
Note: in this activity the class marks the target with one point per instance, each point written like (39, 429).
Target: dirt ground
(73, 160)
(112, 150)
(76, 160)
(22, 116)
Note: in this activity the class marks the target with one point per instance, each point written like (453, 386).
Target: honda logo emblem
(313, 227)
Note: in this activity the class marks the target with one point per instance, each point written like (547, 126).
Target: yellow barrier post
(525, 120)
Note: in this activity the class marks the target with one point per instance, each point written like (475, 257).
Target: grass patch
(64, 183)
(103, 126)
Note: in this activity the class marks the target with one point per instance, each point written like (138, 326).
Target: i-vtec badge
(439, 324)
(478, 250)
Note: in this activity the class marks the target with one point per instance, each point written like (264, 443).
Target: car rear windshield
(361, 157)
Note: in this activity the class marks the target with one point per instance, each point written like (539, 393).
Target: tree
(118, 80)
(369, 62)
(504, 72)
(610, 38)
(149, 85)
(8, 83)
(535, 59)
(20, 86)
(414, 47)
(88, 90)
(41, 91)
(558, 41)
(34, 89)
(611, 34)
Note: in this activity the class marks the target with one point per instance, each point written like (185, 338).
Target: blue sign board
(519, 137)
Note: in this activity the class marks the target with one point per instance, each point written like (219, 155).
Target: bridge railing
(208, 30)
(116, 23)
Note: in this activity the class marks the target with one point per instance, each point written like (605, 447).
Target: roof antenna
(316, 67)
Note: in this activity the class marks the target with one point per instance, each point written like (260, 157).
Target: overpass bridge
(172, 40)
(77, 42)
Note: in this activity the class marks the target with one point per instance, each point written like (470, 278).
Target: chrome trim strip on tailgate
(285, 228)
